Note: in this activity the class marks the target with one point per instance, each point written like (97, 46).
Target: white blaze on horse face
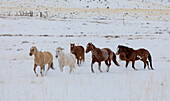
(57, 52)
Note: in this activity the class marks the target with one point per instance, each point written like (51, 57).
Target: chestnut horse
(99, 55)
(129, 54)
(78, 51)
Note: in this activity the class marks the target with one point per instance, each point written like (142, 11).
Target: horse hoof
(37, 75)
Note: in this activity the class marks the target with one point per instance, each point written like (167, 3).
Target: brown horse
(99, 55)
(129, 54)
(78, 51)
(41, 59)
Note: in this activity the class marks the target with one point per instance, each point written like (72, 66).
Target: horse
(99, 55)
(68, 59)
(41, 59)
(78, 51)
(129, 54)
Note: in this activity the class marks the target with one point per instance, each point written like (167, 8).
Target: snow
(19, 33)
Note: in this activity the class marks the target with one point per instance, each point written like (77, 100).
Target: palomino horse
(41, 59)
(129, 54)
(99, 55)
(65, 59)
(78, 51)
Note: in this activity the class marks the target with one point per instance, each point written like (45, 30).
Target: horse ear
(59, 48)
(120, 46)
(90, 43)
(34, 47)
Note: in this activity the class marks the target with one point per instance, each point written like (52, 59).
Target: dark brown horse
(79, 52)
(99, 55)
(129, 54)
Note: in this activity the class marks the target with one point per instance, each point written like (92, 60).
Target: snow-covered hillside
(91, 9)
(48, 24)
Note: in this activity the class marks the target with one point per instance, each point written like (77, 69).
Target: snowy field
(109, 28)
(18, 80)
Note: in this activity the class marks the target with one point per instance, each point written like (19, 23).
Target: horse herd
(98, 55)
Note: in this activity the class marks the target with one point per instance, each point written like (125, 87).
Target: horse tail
(52, 66)
(114, 60)
(150, 60)
(83, 56)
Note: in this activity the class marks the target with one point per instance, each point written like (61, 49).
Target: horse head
(58, 51)
(89, 47)
(72, 48)
(119, 49)
(33, 50)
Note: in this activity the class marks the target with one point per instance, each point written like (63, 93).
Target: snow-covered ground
(135, 23)
(19, 83)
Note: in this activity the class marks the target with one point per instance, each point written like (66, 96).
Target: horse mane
(128, 51)
(125, 47)
(93, 45)
(98, 50)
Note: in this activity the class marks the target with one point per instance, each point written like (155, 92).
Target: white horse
(68, 59)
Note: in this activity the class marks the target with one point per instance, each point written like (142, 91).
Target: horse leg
(92, 65)
(35, 66)
(78, 61)
(71, 68)
(127, 62)
(61, 66)
(100, 66)
(148, 65)
(42, 68)
(108, 65)
(106, 62)
(145, 63)
(133, 64)
(49, 64)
